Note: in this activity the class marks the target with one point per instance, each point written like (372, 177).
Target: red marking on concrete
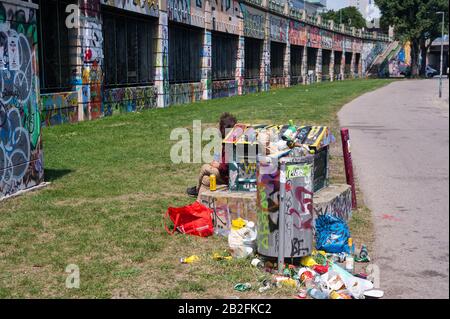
(390, 217)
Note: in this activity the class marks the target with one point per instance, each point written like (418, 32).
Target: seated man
(227, 121)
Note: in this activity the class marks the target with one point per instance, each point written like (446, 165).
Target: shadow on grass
(52, 175)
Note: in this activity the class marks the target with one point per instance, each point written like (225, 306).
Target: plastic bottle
(349, 260)
(317, 294)
(290, 132)
(257, 263)
(190, 260)
(363, 253)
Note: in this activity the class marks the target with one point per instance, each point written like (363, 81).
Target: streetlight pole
(442, 54)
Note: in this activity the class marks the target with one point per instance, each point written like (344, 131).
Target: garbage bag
(332, 234)
(194, 219)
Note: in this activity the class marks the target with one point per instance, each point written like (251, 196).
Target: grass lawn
(112, 181)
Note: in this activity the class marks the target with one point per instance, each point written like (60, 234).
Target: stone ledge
(335, 200)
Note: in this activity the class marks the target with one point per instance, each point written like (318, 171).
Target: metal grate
(128, 49)
(54, 46)
(185, 47)
(224, 53)
(252, 59)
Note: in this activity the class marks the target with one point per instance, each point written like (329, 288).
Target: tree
(415, 21)
(349, 15)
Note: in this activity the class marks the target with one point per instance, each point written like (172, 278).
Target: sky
(336, 4)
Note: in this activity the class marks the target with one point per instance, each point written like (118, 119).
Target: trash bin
(285, 188)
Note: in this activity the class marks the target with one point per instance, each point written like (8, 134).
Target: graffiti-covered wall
(21, 158)
(59, 108)
(268, 29)
(147, 7)
(400, 64)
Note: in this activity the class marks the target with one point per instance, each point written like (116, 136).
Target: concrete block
(334, 200)
(228, 206)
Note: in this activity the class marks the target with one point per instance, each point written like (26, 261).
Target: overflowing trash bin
(285, 206)
(268, 214)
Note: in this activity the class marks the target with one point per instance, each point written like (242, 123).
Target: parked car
(430, 72)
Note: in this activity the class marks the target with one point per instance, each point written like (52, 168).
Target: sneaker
(192, 191)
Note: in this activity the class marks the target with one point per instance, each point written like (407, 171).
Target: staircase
(381, 61)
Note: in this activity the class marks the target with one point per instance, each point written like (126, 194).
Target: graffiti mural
(400, 64)
(227, 206)
(288, 191)
(149, 7)
(224, 88)
(348, 44)
(91, 40)
(278, 29)
(240, 64)
(268, 201)
(298, 33)
(59, 108)
(314, 40)
(185, 93)
(253, 21)
(129, 99)
(162, 62)
(225, 16)
(326, 39)
(336, 200)
(369, 52)
(179, 10)
(277, 82)
(252, 86)
(21, 159)
(357, 45)
(338, 42)
(298, 209)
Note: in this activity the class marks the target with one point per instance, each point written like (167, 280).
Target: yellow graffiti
(249, 168)
(150, 3)
(408, 53)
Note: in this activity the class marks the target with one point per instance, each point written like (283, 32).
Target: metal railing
(278, 6)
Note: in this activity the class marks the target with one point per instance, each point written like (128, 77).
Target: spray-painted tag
(13, 53)
(282, 177)
(2, 62)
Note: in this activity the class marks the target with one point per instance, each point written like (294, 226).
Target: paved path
(400, 142)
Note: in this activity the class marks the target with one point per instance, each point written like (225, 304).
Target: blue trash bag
(332, 234)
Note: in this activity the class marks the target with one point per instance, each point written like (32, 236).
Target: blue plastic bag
(332, 234)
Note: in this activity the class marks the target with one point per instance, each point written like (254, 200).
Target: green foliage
(349, 15)
(416, 21)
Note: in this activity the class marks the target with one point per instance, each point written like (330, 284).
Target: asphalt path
(400, 148)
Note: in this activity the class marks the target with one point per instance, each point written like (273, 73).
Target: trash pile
(286, 226)
(321, 275)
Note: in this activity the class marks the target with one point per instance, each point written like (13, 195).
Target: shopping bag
(194, 219)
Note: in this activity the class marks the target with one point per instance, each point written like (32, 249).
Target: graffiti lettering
(298, 247)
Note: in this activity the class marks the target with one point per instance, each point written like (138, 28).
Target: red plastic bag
(194, 219)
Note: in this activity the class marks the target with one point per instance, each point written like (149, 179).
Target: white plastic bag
(242, 241)
(356, 286)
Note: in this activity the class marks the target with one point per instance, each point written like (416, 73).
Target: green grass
(112, 181)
